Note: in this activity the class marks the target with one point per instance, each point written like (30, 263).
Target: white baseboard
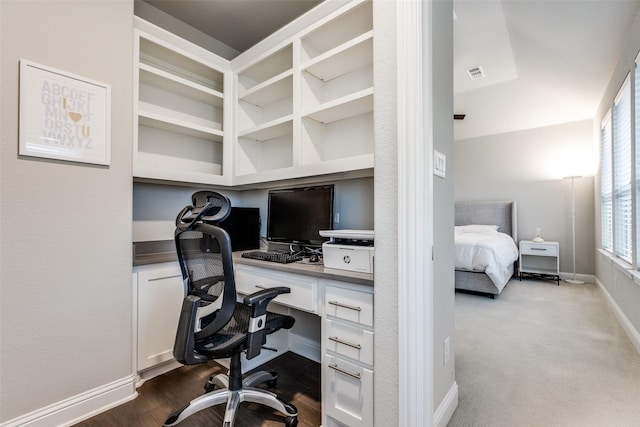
(155, 371)
(630, 330)
(80, 407)
(305, 347)
(446, 408)
(586, 278)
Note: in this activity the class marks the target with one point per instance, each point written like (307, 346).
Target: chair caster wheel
(209, 385)
(291, 421)
(274, 382)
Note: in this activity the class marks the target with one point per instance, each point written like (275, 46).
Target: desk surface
(308, 269)
(163, 251)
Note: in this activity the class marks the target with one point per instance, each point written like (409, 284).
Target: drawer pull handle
(344, 371)
(339, 341)
(538, 249)
(350, 307)
(154, 279)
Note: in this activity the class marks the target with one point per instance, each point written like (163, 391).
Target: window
(637, 151)
(606, 185)
(623, 208)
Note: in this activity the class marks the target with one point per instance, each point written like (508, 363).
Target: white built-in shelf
(270, 91)
(343, 108)
(265, 69)
(350, 56)
(271, 130)
(180, 109)
(157, 117)
(157, 77)
(179, 64)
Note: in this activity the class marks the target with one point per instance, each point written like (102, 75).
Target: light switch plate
(439, 164)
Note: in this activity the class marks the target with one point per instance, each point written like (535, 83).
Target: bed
(474, 269)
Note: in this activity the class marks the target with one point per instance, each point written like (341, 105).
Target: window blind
(623, 209)
(606, 186)
(637, 155)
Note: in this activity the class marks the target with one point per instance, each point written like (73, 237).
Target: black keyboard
(281, 257)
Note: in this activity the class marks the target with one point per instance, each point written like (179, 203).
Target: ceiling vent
(476, 73)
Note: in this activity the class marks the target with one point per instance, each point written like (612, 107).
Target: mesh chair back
(205, 257)
(202, 260)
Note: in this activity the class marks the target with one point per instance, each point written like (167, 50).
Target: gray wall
(443, 197)
(528, 166)
(623, 289)
(65, 305)
(156, 206)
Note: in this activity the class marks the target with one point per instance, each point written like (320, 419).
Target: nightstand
(540, 259)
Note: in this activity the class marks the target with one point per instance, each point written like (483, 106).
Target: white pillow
(477, 228)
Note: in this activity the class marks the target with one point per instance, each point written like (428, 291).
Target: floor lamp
(573, 223)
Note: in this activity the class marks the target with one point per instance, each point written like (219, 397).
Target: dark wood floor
(298, 383)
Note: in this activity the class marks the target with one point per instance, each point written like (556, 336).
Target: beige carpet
(544, 355)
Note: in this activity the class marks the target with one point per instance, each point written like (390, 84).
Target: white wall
(528, 166)
(386, 354)
(65, 306)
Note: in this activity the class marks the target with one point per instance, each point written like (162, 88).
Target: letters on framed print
(64, 116)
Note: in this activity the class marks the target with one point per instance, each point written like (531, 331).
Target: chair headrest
(207, 206)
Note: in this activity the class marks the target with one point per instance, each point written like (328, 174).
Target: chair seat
(234, 335)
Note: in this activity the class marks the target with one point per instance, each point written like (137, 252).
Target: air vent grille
(476, 73)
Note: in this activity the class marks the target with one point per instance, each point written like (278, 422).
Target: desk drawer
(348, 393)
(349, 304)
(539, 249)
(303, 288)
(350, 341)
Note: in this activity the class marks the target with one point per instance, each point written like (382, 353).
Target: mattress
(482, 248)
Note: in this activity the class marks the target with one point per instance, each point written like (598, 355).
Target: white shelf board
(206, 76)
(280, 127)
(155, 173)
(147, 117)
(345, 58)
(348, 106)
(183, 87)
(275, 89)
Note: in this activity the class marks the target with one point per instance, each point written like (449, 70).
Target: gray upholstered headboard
(500, 213)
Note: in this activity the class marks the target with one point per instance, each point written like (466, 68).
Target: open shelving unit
(179, 110)
(318, 88)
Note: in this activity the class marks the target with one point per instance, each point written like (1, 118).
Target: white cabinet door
(348, 393)
(160, 295)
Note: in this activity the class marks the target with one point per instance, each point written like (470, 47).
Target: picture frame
(63, 116)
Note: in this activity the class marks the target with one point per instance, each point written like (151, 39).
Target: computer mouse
(314, 258)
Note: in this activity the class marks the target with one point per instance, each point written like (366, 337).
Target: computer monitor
(296, 215)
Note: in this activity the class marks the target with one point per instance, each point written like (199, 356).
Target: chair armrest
(184, 345)
(265, 295)
(258, 302)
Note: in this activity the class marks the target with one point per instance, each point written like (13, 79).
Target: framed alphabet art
(64, 116)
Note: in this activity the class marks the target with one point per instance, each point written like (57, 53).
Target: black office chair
(213, 324)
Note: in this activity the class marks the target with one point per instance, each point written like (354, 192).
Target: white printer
(348, 250)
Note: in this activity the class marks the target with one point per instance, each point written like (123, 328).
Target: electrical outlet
(446, 350)
(336, 218)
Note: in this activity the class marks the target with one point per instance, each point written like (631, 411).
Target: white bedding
(483, 248)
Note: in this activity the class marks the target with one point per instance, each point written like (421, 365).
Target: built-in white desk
(343, 301)
(334, 325)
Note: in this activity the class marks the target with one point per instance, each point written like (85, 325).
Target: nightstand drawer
(539, 249)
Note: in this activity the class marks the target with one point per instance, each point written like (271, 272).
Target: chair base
(233, 398)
